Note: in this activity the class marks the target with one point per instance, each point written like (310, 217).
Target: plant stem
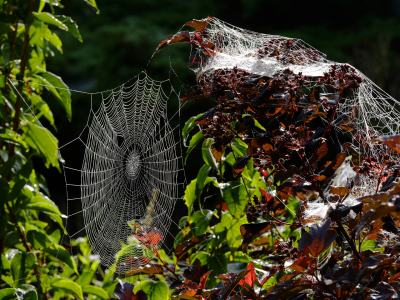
(165, 265)
(25, 242)
(24, 59)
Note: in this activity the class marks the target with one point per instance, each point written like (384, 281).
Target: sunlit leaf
(68, 286)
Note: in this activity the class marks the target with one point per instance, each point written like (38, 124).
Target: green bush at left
(34, 264)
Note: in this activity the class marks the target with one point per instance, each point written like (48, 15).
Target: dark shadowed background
(118, 43)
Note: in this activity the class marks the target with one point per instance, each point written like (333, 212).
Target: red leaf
(180, 37)
(393, 141)
(250, 277)
(203, 280)
(199, 25)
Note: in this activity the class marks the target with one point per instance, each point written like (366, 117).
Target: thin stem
(25, 242)
(24, 59)
(165, 265)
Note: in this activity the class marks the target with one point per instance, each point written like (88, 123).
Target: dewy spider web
(129, 173)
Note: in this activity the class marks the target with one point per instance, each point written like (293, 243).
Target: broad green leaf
(291, 208)
(218, 264)
(202, 256)
(48, 19)
(71, 25)
(43, 108)
(256, 123)
(154, 290)
(26, 170)
(193, 142)
(16, 189)
(53, 39)
(61, 254)
(189, 125)
(207, 154)
(239, 147)
(230, 159)
(44, 205)
(26, 292)
(6, 292)
(200, 221)
(21, 265)
(201, 178)
(36, 34)
(8, 166)
(96, 291)
(42, 140)
(68, 286)
(36, 64)
(85, 278)
(93, 4)
(235, 196)
(41, 5)
(190, 195)
(58, 219)
(367, 245)
(12, 137)
(58, 89)
(233, 235)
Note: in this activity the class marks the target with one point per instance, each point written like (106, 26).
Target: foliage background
(119, 42)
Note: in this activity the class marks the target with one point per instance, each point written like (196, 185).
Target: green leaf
(42, 107)
(63, 255)
(218, 264)
(12, 136)
(48, 19)
(72, 27)
(193, 142)
(367, 245)
(58, 89)
(21, 265)
(93, 4)
(235, 196)
(26, 292)
(8, 166)
(53, 39)
(207, 154)
(44, 205)
(239, 147)
(233, 235)
(41, 139)
(190, 195)
(6, 292)
(200, 221)
(189, 125)
(154, 290)
(16, 189)
(68, 286)
(41, 241)
(96, 291)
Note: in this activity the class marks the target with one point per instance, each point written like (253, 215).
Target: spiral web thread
(129, 173)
